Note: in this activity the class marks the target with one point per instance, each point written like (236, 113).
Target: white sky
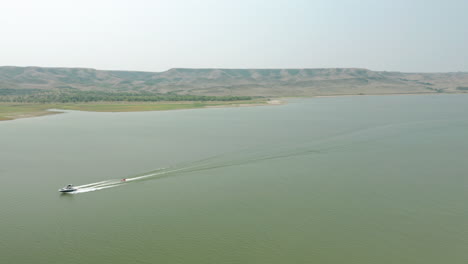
(411, 35)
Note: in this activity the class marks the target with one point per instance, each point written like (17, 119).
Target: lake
(361, 179)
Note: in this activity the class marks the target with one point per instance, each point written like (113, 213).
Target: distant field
(9, 111)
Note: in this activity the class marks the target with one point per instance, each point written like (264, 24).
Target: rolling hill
(220, 82)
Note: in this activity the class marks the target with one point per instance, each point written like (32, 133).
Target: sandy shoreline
(19, 111)
(387, 94)
(143, 107)
(269, 102)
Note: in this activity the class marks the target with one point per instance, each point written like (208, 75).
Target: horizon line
(223, 68)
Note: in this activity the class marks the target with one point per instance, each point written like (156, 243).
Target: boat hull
(66, 190)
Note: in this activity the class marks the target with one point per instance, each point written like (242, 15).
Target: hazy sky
(394, 35)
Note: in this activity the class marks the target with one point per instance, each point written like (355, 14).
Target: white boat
(68, 188)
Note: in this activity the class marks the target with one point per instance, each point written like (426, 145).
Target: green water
(327, 180)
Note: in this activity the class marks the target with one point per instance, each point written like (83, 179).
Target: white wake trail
(93, 184)
(152, 175)
(101, 185)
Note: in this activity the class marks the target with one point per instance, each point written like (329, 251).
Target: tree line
(100, 96)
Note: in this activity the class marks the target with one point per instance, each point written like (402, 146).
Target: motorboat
(68, 188)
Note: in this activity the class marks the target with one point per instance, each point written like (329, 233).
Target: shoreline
(382, 94)
(13, 111)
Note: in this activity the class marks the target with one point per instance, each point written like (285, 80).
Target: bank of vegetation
(20, 103)
(76, 96)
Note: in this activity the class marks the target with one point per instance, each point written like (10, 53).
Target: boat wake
(338, 142)
(97, 186)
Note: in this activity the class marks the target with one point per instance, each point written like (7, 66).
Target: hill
(230, 82)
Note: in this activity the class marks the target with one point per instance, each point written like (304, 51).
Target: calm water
(328, 180)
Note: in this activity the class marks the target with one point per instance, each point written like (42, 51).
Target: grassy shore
(9, 111)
